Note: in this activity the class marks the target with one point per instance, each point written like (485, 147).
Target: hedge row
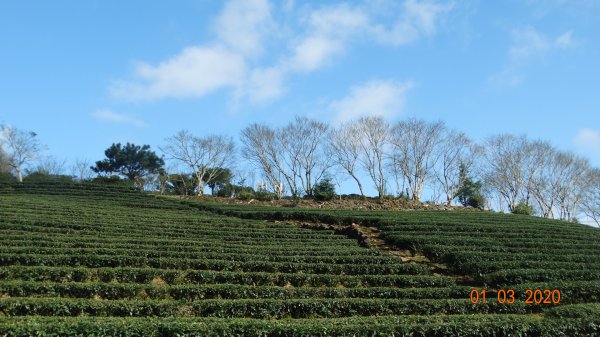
(334, 257)
(254, 308)
(94, 261)
(403, 326)
(147, 275)
(345, 251)
(111, 291)
(315, 246)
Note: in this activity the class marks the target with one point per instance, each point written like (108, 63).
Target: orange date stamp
(509, 296)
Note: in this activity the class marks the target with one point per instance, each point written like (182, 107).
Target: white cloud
(528, 44)
(234, 60)
(338, 21)
(416, 19)
(329, 30)
(314, 52)
(265, 84)
(107, 115)
(332, 28)
(565, 40)
(194, 72)
(243, 24)
(588, 139)
(288, 6)
(199, 70)
(374, 98)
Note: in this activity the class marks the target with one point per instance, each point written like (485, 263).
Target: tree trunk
(200, 186)
(362, 194)
(19, 174)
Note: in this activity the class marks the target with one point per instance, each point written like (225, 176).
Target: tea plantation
(87, 260)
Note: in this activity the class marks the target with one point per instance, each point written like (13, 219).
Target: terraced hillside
(89, 260)
(493, 249)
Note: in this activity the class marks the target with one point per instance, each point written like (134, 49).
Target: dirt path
(371, 237)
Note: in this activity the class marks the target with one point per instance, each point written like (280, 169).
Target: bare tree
(399, 179)
(81, 170)
(21, 148)
(345, 147)
(505, 156)
(415, 151)
(261, 147)
(374, 135)
(546, 182)
(303, 146)
(573, 184)
(294, 154)
(455, 149)
(50, 165)
(591, 201)
(289, 155)
(202, 155)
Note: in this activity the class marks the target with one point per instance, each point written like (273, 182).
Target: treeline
(306, 157)
(523, 175)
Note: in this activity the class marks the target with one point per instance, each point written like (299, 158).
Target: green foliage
(37, 177)
(587, 310)
(522, 208)
(246, 194)
(181, 184)
(111, 180)
(236, 191)
(132, 161)
(6, 177)
(324, 190)
(494, 248)
(105, 260)
(478, 325)
(221, 178)
(264, 196)
(469, 191)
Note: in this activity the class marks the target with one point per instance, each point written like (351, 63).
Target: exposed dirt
(348, 203)
(371, 237)
(366, 235)
(157, 281)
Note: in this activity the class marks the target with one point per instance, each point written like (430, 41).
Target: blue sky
(85, 74)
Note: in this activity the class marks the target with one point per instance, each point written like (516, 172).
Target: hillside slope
(84, 259)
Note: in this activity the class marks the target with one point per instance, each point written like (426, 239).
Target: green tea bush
(523, 208)
(324, 190)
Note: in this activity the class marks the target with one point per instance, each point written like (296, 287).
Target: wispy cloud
(194, 72)
(565, 40)
(529, 44)
(263, 85)
(234, 59)
(373, 98)
(244, 24)
(588, 139)
(106, 115)
(417, 19)
(332, 28)
(329, 29)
